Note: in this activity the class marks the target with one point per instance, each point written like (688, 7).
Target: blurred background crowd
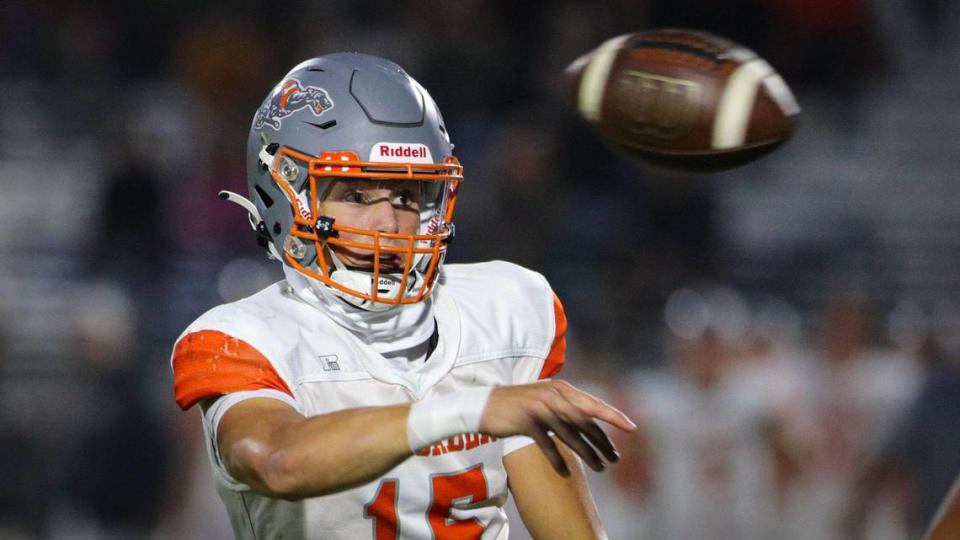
(786, 334)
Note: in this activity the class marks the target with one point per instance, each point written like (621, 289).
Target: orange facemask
(419, 254)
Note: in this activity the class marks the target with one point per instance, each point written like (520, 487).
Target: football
(683, 99)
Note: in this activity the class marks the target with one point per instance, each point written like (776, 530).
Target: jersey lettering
(457, 443)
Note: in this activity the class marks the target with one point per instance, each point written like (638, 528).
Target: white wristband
(435, 419)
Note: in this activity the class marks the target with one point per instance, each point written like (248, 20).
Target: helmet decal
(289, 97)
(436, 219)
(400, 152)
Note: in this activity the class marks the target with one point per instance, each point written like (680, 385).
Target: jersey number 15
(468, 485)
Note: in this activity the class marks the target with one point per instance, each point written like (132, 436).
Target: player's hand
(536, 410)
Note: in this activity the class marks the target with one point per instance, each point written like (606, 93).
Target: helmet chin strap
(388, 285)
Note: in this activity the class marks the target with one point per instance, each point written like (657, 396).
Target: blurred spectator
(190, 508)
(132, 239)
(852, 393)
(922, 453)
(704, 464)
(769, 366)
(523, 171)
(215, 230)
(113, 472)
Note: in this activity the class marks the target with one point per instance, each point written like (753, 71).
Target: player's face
(384, 206)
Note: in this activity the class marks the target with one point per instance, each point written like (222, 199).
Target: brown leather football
(683, 99)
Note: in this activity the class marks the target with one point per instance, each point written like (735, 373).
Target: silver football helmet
(351, 116)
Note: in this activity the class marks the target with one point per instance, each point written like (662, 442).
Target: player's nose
(382, 217)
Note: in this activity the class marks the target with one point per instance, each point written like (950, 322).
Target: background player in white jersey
(705, 464)
(376, 393)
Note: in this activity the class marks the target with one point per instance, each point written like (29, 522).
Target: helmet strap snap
(325, 228)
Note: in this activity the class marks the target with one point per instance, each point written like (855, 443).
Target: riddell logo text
(395, 152)
(403, 151)
(457, 443)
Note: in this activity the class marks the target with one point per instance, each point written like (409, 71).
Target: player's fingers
(584, 428)
(600, 440)
(587, 429)
(593, 406)
(569, 434)
(549, 449)
(572, 438)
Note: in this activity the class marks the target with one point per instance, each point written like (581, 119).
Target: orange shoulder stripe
(554, 361)
(209, 363)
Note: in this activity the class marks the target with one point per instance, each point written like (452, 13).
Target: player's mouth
(388, 263)
(391, 264)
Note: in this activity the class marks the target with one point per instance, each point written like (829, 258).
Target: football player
(376, 393)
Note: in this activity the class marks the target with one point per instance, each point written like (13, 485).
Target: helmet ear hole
(267, 200)
(276, 228)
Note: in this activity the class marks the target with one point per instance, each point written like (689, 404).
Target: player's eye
(404, 198)
(355, 196)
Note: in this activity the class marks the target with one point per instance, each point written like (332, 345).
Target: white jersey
(851, 409)
(712, 469)
(498, 324)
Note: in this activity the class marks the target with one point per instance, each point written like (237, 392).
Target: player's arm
(946, 523)
(263, 441)
(570, 513)
(269, 446)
